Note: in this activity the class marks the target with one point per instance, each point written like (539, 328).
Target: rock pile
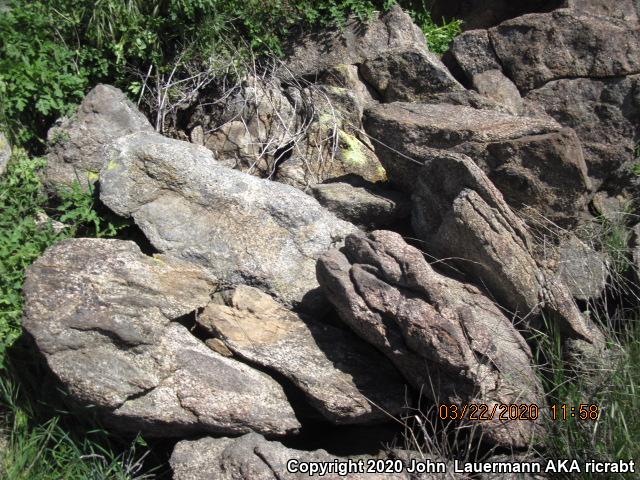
(276, 302)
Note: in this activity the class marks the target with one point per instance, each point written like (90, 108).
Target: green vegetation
(613, 384)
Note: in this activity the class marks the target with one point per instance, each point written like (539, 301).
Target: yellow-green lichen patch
(352, 149)
(112, 165)
(93, 176)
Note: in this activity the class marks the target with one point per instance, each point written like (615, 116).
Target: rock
(348, 77)
(105, 317)
(615, 209)
(5, 153)
(332, 145)
(487, 13)
(346, 380)
(353, 44)
(449, 341)
(243, 229)
(258, 123)
(605, 113)
(461, 216)
(76, 144)
(623, 9)
(534, 162)
(582, 269)
(538, 48)
(251, 457)
(494, 85)
(408, 74)
(364, 204)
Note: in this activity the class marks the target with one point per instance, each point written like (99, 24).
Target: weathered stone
(5, 152)
(534, 162)
(243, 229)
(538, 48)
(473, 53)
(582, 269)
(103, 315)
(363, 204)
(623, 9)
(408, 74)
(258, 122)
(348, 77)
(447, 339)
(251, 457)
(346, 380)
(354, 43)
(461, 216)
(77, 144)
(494, 85)
(605, 113)
(332, 145)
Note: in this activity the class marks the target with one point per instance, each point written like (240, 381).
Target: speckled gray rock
(354, 43)
(605, 113)
(537, 48)
(408, 74)
(103, 315)
(582, 269)
(251, 457)
(448, 339)
(534, 162)
(243, 229)
(366, 205)
(76, 144)
(461, 216)
(5, 152)
(345, 379)
(623, 9)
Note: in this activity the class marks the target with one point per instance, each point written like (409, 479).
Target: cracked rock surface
(243, 229)
(104, 316)
(448, 339)
(345, 379)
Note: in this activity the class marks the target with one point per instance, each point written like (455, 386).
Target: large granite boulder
(583, 270)
(346, 380)
(107, 320)
(538, 48)
(367, 205)
(76, 144)
(449, 341)
(251, 457)
(353, 44)
(605, 113)
(534, 162)
(408, 74)
(461, 216)
(243, 229)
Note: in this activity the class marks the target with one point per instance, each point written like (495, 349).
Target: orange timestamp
(584, 411)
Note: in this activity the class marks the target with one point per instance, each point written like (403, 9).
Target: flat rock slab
(537, 48)
(449, 341)
(251, 457)
(103, 315)
(243, 229)
(534, 162)
(345, 379)
(76, 144)
(5, 152)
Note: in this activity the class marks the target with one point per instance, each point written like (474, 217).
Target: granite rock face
(461, 215)
(447, 339)
(243, 229)
(346, 380)
(534, 162)
(538, 48)
(353, 44)
(77, 144)
(105, 318)
(251, 457)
